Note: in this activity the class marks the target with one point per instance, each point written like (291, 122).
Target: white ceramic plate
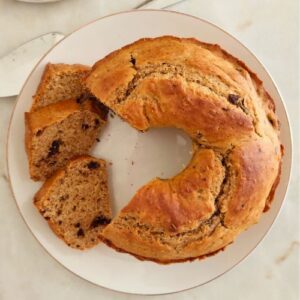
(136, 158)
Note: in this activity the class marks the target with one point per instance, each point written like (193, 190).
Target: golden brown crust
(223, 106)
(253, 166)
(163, 262)
(48, 115)
(236, 205)
(212, 47)
(195, 78)
(54, 113)
(183, 200)
(275, 184)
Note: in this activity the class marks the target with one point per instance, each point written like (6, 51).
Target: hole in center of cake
(134, 158)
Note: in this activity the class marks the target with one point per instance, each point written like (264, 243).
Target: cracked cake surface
(224, 108)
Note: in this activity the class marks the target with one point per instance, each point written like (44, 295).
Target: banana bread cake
(223, 106)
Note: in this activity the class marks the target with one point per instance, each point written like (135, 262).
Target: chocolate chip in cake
(80, 99)
(99, 220)
(39, 132)
(77, 225)
(85, 126)
(132, 60)
(97, 122)
(54, 148)
(63, 198)
(234, 99)
(93, 165)
(80, 232)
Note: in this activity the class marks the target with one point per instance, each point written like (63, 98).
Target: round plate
(136, 158)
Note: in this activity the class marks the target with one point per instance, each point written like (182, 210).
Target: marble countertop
(271, 30)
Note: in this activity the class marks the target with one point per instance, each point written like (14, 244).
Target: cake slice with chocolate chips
(60, 82)
(75, 201)
(60, 131)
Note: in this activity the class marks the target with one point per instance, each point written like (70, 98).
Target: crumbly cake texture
(60, 131)
(223, 106)
(75, 202)
(60, 82)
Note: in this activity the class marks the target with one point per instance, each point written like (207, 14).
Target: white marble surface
(270, 28)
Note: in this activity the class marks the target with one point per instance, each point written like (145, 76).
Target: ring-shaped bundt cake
(223, 107)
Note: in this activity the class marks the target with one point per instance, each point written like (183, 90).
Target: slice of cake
(60, 82)
(59, 132)
(75, 201)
